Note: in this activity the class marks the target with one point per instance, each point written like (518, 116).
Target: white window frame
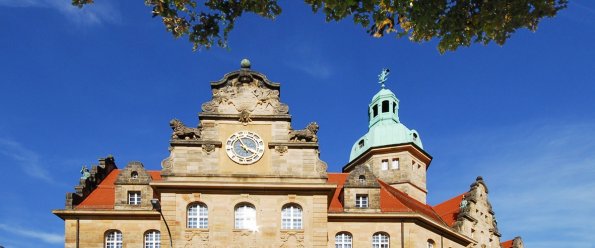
(380, 240)
(113, 239)
(153, 239)
(197, 215)
(384, 164)
(343, 240)
(134, 197)
(245, 217)
(361, 200)
(291, 217)
(395, 164)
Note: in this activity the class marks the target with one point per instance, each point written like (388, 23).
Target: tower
(393, 152)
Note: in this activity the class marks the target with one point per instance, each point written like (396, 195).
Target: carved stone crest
(245, 90)
(208, 148)
(281, 149)
(305, 135)
(245, 116)
(181, 131)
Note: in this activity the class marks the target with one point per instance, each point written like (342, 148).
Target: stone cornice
(294, 144)
(410, 147)
(214, 116)
(195, 143)
(344, 217)
(246, 186)
(124, 214)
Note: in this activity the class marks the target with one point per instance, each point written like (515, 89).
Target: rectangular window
(395, 164)
(134, 198)
(384, 165)
(361, 201)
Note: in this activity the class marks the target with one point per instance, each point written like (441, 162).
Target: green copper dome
(384, 125)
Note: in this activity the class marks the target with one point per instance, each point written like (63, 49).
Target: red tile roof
(339, 179)
(391, 199)
(103, 197)
(449, 209)
(507, 244)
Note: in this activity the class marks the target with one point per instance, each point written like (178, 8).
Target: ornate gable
(247, 93)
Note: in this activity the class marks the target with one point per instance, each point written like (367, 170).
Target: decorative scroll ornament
(245, 89)
(305, 135)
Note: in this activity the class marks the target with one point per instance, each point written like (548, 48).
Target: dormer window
(361, 201)
(134, 175)
(361, 143)
(134, 198)
(385, 106)
(375, 110)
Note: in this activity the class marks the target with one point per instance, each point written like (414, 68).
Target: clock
(244, 147)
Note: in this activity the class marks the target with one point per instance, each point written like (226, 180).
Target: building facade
(245, 178)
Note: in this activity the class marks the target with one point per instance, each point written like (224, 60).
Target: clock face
(244, 147)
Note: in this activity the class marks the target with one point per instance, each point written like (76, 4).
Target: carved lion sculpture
(305, 135)
(181, 131)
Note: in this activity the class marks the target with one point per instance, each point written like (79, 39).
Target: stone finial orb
(245, 64)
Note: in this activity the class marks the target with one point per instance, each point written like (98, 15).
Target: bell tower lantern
(393, 152)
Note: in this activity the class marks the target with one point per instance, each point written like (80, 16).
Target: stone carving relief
(245, 117)
(196, 238)
(321, 167)
(292, 240)
(245, 238)
(281, 149)
(167, 164)
(182, 132)
(208, 148)
(305, 135)
(245, 91)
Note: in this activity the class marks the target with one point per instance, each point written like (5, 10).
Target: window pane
(113, 239)
(395, 164)
(380, 240)
(385, 106)
(245, 217)
(153, 239)
(343, 240)
(291, 217)
(198, 216)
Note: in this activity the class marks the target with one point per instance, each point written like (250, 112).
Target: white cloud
(49, 238)
(29, 160)
(540, 177)
(92, 14)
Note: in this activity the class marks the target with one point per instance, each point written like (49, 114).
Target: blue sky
(77, 85)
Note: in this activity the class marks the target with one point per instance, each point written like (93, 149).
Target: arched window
(362, 179)
(113, 239)
(394, 107)
(431, 243)
(245, 216)
(385, 106)
(380, 240)
(291, 217)
(375, 110)
(152, 239)
(343, 240)
(198, 216)
(134, 175)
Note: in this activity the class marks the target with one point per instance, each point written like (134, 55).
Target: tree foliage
(454, 23)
